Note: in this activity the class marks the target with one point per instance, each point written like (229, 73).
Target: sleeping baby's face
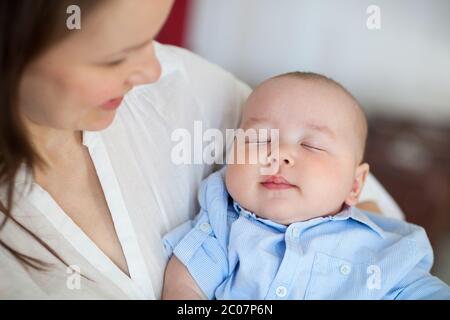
(322, 134)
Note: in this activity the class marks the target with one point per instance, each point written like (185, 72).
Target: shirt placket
(287, 273)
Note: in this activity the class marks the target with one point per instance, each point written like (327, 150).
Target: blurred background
(397, 66)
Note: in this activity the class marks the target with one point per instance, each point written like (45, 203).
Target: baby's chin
(281, 212)
(286, 213)
(286, 218)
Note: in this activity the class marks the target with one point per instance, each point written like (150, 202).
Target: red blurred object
(173, 31)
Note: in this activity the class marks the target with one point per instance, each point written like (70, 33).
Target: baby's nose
(284, 158)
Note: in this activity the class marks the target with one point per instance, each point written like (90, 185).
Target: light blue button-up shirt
(233, 254)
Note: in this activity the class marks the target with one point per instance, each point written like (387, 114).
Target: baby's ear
(358, 183)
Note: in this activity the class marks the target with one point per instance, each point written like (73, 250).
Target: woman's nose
(147, 70)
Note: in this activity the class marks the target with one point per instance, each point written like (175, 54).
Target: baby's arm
(199, 248)
(179, 284)
(420, 285)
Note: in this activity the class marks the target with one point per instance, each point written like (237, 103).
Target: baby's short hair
(312, 76)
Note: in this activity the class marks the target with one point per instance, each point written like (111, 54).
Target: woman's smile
(112, 104)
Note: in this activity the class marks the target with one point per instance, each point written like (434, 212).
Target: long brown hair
(27, 29)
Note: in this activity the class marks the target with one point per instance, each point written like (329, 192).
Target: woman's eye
(115, 63)
(311, 147)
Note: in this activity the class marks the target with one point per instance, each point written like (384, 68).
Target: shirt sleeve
(201, 244)
(195, 244)
(419, 284)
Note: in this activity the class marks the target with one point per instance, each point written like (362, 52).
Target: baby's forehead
(289, 98)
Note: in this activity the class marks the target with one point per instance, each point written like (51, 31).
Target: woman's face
(77, 83)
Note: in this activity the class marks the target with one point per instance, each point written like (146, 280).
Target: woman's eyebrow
(138, 46)
(132, 48)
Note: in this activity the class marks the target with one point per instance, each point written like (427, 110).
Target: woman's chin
(101, 122)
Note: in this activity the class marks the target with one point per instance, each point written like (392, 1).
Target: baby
(296, 234)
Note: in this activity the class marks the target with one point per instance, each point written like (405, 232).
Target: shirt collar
(23, 175)
(360, 216)
(91, 139)
(347, 213)
(250, 215)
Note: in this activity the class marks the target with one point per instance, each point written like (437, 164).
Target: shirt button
(345, 269)
(205, 227)
(281, 291)
(295, 232)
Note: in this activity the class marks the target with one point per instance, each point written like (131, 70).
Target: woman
(97, 202)
(88, 187)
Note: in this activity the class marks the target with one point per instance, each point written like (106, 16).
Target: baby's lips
(276, 179)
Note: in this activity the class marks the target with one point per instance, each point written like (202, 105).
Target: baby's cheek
(234, 176)
(325, 177)
(337, 185)
(238, 180)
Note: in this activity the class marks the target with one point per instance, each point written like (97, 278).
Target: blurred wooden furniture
(412, 161)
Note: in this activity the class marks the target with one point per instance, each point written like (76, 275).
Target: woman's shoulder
(193, 65)
(189, 88)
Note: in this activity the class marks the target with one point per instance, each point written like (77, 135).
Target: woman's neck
(53, 145)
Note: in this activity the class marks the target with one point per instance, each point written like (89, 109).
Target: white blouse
(146, 192)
